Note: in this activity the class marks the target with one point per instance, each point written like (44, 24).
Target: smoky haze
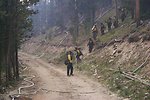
(40, 19)
(66, 13)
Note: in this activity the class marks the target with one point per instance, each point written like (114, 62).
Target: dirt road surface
(55, 85)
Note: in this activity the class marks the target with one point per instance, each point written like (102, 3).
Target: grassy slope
(106, 72)
(104, 66)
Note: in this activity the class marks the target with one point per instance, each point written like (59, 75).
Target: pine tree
(14, 21)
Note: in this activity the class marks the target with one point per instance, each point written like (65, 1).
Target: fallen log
(133, 77)
(142, 65)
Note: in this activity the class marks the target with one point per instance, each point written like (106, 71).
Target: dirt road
(55, 85)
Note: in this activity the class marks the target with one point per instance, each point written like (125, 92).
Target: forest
(14, 22)
(21, 19)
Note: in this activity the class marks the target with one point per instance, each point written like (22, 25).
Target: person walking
(109, 23)
(102, 29)
(115, 23)
(90, 45)
(95, 32)
(123, 14)
(69, 63)
(78, 54)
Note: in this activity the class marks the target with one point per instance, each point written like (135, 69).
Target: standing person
(109, 23)
(78, 54)
(90, 45)
(102, 29)
(123, 14)
(115, 22)
(95, 32)
(69, 63)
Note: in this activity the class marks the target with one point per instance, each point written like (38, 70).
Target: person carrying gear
(123, 14)
(90, 45)
(109, 23)
(95, 32)
(102, 29)
(78, 54)
(69, 63)
(115, 22)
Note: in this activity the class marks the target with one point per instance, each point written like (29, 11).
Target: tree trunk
(0, 72)
(116, 7)
(17, 63)
(76, 22)
(138, 12)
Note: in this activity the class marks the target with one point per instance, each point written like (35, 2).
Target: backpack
(66, 62)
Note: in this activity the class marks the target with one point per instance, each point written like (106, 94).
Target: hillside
(117, 55)
(40, 43)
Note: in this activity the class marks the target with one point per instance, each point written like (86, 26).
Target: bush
(146, 37)
(133, 37)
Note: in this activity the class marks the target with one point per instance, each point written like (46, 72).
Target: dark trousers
(109, 27)
(78, 59)
(90, 49)
(69, 69)
(102, 31)
(94, 35)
